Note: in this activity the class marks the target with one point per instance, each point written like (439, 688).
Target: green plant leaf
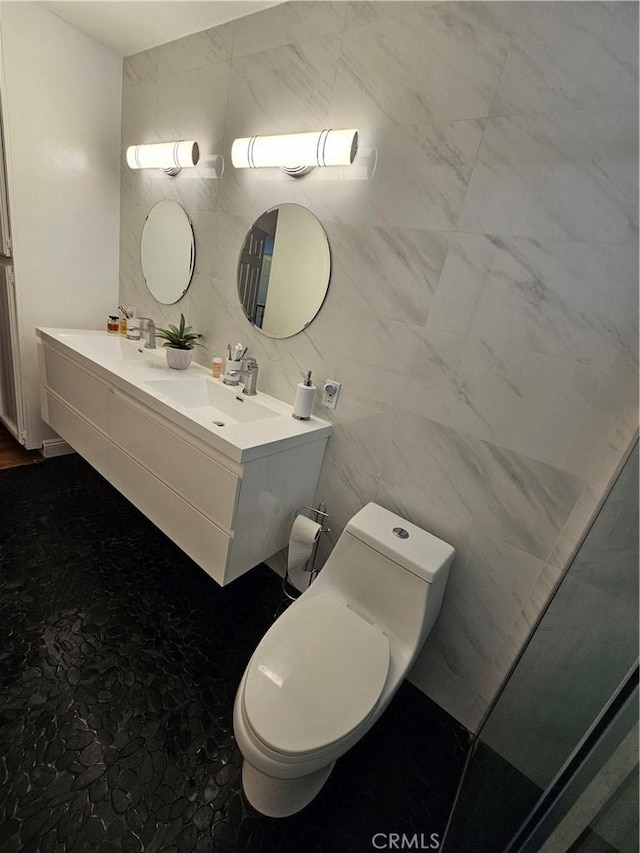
(179, 337)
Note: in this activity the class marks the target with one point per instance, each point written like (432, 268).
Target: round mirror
(283, 270)
(167, 250)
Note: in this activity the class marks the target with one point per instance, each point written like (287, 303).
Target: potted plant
(179, 341)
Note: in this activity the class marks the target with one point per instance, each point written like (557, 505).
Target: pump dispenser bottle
(305, 394)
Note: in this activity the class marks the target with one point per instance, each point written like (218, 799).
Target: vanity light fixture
(169, 156)
(296, 153)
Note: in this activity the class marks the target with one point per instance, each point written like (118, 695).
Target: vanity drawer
(80, 389)
(198, 537)
(207, 485)
(84, 438)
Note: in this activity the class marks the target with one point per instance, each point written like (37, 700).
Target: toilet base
(281, 797)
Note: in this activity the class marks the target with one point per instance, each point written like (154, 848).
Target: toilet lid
(316, 675)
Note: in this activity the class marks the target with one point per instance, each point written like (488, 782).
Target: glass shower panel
(581, 651)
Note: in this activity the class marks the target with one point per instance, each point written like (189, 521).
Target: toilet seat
(316, 675)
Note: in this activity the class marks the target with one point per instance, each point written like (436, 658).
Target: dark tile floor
(119, 661)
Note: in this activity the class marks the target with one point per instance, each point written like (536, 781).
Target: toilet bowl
(329, 666)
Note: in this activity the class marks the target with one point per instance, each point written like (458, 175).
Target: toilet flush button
(400, 532)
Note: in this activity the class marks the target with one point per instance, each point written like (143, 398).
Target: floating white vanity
(220, 473)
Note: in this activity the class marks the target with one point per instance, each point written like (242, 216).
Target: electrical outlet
(330, 393)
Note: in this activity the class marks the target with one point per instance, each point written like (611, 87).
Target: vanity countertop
(241, 427)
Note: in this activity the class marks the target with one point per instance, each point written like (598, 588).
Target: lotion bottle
(305, 395)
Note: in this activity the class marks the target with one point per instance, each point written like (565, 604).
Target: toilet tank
(409, 546)
(392, 572)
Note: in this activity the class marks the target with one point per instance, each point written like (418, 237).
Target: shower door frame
(598, 744)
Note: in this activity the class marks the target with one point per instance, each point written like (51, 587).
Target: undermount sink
(222, 403)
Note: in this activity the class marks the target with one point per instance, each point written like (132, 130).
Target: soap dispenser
(305, 395)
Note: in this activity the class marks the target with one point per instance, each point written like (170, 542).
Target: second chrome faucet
(247, 369)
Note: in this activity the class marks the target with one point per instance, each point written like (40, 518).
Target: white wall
(61, 99)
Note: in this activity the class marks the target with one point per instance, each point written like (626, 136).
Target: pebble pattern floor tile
(119, 663)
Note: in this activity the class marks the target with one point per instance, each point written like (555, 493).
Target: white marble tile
(364, 11)
(138, 114)
(434, 475)
(284, 90)
(625, 433)
(193, 51)
(228, 240)
(205, 230)
(131, 223)
(489, 584)
(190, 189)
(391, 273)
(527, 402)
(351, 469)
(441, 685)
(420, 180)
(569, 55)
(139, 68)
(607, 429)
(249, 192)
(137, 188)
(537, 601)
(571, 300)
(350, 333)
(439, 63)
(520, 629)
(192, 105)
(499, 668)
(580, 518)
(371, 354)
(566, 176)
(226, 322)
(146, 187)
(286, 25)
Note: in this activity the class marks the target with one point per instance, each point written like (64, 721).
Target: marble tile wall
(482, 313)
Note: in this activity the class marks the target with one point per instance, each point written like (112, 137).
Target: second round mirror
(283, 270)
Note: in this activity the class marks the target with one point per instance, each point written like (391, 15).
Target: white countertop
(128, 366)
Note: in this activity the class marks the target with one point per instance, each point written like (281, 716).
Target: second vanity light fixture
(296, 153)
(171, 157)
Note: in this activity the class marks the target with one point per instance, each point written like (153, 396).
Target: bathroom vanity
(220, 473)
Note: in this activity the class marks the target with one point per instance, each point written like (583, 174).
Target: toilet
(329, 666)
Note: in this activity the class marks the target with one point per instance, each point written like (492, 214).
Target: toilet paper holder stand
(320, 515)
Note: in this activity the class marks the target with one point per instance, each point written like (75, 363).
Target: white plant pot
(179, 359)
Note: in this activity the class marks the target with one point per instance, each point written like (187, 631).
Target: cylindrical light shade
(293, 150)
(170, 156)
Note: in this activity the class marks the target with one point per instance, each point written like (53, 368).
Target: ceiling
(129, 26)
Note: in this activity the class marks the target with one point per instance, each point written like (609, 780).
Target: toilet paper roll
(304, 534)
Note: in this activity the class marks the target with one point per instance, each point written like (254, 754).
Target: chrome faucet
(250, 370)
(148, 332)
(247, 369)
